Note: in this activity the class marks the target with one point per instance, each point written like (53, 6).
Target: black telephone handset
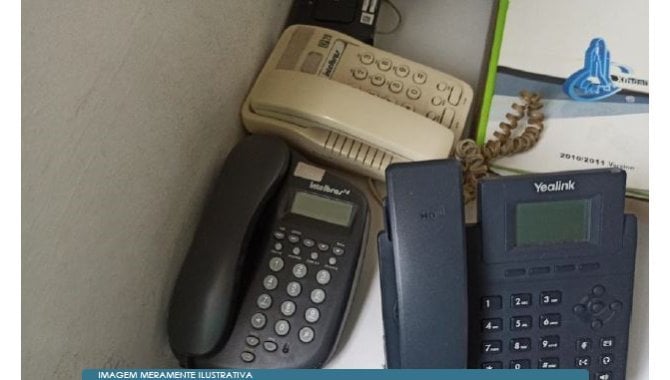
(548, 271)
(269, 276)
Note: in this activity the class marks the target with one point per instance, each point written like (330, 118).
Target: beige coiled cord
(476, 159)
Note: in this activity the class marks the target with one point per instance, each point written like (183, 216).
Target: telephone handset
(358, 106)
(269, 276)
(548, 279)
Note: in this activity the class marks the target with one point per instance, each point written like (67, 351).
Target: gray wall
(128, 108)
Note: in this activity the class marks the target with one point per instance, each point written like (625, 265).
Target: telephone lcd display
(540, 223)
(321, 208)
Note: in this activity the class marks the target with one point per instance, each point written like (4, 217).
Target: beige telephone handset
(352, 104)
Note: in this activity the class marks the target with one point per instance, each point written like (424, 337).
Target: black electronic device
(269, 277)
(549, 270)
(356, 18)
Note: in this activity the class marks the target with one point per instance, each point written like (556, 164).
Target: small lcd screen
(553, 222)
(321, 208)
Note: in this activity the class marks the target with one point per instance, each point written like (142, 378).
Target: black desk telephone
(546, 280)
(269, 276)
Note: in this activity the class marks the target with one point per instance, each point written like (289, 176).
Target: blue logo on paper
(593, 81)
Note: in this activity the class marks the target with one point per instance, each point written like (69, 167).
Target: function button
(306, 334)
(606, 359)
(550, 342)
(264, 301)
(258, 321)
(293, 238)
(616, 305)
(455, 95)
(491, 303)
(314, 256)
(582, 361)
(564, 268)
(282, 327)
(366, 58)
(584, 344)
(596, 324)
(278, 246)
(551, 297)
(384, 64)
(491, 347)
(550, 320)
(359, 73)
(338, 251)
(420, 77)
(309, 243)
(287, 308)
(516, 272)
(293, 289)
(523, 322)
(299, 270)
(395, 86)
(247, 357)
(317, 296)
(607, 342)
(296, 250)
(579, 309)
(323, 277)
(539, 270)
(312, 315)
(589, 267)
(276, 264)
(413, 93)
(332, 261)
(492, 365)
(279, 235)
(252, 341)
(519, 364)
(519, 344)
(270, 282)
(603, 376)
(402, 70)
(377, 79)
(597, 307)
(598, 290)
(521, 300)
(437, 100)
(492, 324)
(442, 86)
(322, 247)
(548, 363)
(270, 346)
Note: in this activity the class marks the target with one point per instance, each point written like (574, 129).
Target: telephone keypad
(317, 296)
(360, 73)
(550, 320)
(323, 247)
(420, 77)
(384, 64)
(293, 289)
(491, 303)
(520, 344)
(524, 322)
(492, 324)
(519, 364)
(258, 321)
(270, 282)
(492, 365)
(402, 71)
(551, 342)
(306, 334)
(323, 277)
(252, 341)
(293, 238)
(282, 327)
(491, 346)
(550, 298)
(367, 58)
(299, 270)
(338, 251)
(522, 300)
(548, 363)
(312, 315)
(413, 93)
(309, 243)
(288, 308)
(247, 357)
(279, 235)
(377, 80)
(276, 264)
(270, 346)
(264, 301)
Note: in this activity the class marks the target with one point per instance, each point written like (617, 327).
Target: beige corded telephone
(355, 105)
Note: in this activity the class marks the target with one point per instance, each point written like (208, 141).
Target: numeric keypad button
(296, 251)
(264, 301)
(519, 364)
(299, 270)
(282, 327)
(519, 344)
(584, 344)
(395, 86)
(420, 77)
(323, 277)
(309, 243)
(550, 320)
(491, 347)
(384, 64)
(377, 80)
(491, 303)
(317, 296)
(492, 365)
(521, 300)
(312, 315)
(270, 282)
(523, 322)
(252, 341)
(359, 73)
(293, 238)
(293, 289)
(287, 308)
(402, 71)
(582, 361)
(548, 363)
(276, 264)
(247, 357)
(366, 58)
(549, 298)
(277, 246)
(322, 247)
(258, 321)
(492, 324)
(338, 251)
(413, 93)
(550, 342)
(306, 334)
